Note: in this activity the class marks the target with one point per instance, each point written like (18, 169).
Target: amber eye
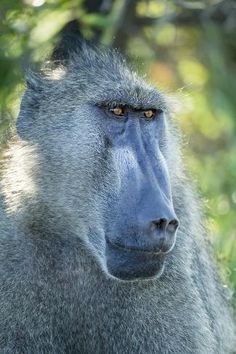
(118, 111)
(149, 114)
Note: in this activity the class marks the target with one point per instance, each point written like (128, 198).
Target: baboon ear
(70, 40)
(29, 108)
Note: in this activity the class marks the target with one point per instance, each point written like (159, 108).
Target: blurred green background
(188, 47)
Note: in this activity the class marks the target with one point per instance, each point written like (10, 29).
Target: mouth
(131, 264)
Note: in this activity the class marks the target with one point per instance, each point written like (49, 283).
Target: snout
(143, 225)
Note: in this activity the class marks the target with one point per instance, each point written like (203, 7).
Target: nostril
(172, 226)
(160, 224)
(165, 225)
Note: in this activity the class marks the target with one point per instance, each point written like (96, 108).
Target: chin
(130, 265)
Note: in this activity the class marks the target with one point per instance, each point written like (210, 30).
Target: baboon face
(101, 137)
(140, 223)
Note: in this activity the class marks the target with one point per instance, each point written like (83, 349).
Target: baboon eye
(149, 114)
(117, 111)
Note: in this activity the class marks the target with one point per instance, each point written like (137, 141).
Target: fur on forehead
(101, 75)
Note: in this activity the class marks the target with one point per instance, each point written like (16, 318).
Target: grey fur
(55, 294)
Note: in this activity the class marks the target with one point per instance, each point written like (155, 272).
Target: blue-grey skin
(102, 248)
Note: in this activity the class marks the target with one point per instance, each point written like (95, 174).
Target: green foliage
(188, 46)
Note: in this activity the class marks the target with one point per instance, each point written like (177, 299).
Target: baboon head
(100, 139)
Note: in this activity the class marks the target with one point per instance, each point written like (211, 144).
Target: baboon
(102, 247)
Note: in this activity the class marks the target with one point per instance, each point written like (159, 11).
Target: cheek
(74, 142)
(77, 152)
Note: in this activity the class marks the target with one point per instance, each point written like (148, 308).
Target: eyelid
(149, 113)
(118, 111)
(156, 111)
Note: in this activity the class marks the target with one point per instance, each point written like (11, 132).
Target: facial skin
(142, 224)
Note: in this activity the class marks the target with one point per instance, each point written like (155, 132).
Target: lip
(138, 250)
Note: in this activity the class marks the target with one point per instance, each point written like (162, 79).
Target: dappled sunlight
(19, 179)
